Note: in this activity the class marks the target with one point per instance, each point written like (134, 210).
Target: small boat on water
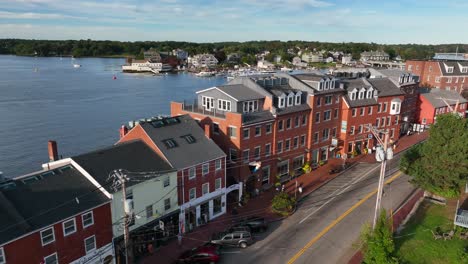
(75, 65)
(205, 74)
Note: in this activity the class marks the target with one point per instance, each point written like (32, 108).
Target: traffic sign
(370, 136)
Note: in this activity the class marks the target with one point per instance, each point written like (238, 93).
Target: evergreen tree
(378, 246)
(440, 165)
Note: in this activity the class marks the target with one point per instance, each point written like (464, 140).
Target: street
(328, 222)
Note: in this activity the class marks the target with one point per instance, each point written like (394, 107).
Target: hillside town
(234, 145)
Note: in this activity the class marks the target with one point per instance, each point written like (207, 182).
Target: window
(298, 99)
(205, 168)
(267, 149)
(369, 110)
(245, 155)
(449, 69)
(337, 100)
(383, 121)
(287, 144)
(288, 123)
(167, 181)
(282, 102)
(208, 102)
(290, 100)
(167, 204)
(224, 105)
(279, 147)
(189, 138)
(297, 162)
(232, 155)
(296, 142)
(359, 129)
(2, 256)
(392, 132)
(257, 152)
(149, 211)
(335, 113)
(317, 117)
(352, 130)
(268, 128)
(430, 68)
(191, 173)
(282, 168)
(354, 111)
(384, 107)
(389, 120)
(246, 133)
(217, 205)
(303, 140)
(218, 184)
(319, 101)
(325, 134)
(449, 79)
(424, 121)
(216, 128)
(250, 106)
(304, 120)
(87, 219)
(280, 125)
(90, 244)
(410, 67)
(232, 131)
(51, 259)
(379, 106)
(258, 131)
(316, 137)
(361, 111)
(266, 174)
(296, 121)
(328, 99)
(47, 236)
(218, 164)
(170, 143)
(205, 188)
(437, 79)
(69, 227)
(192, 194)
(327, 115)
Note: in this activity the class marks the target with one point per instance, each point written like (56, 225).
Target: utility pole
(383, 158)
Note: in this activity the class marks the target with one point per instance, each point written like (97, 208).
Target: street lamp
(381, 155)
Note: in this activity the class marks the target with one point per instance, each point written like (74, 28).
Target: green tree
(282, 203)
(440, 165)
(377, 244)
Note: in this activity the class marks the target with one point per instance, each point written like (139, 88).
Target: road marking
(333, 198)
(339, 219)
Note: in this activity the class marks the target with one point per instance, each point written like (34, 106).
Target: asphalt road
(325, 227)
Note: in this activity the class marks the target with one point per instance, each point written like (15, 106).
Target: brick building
(431, 104)
(200, 165)
(446, 75)
(54, 216)
(369, 102)
(268, 119)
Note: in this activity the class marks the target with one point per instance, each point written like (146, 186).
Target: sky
(379, 21)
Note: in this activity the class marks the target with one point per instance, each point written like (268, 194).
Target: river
(82, 109)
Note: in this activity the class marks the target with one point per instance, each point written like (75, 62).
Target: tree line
(247, 50)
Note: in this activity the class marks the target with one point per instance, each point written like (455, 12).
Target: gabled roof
(456, 67)
(184, 154)
(134, 156)
(385, 87)
(36, 201)
(351, 84)
(434, 95)
(240, 92)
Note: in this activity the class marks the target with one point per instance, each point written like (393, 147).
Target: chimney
(53, 154)
(208, 130)
(123, 131)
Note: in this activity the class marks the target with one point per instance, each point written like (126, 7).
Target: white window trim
(2, 253)
(194, 173)
(53, 235)
(95, 244)
(243, 133)
(194, 193)
(298, 143)
(220, 183)
(220, 164)
(298, 99)
(246, 158)
(92, 218)
(230, 133)
(301, 144)
(74, 226)
(325, 115)
(267, 154)
(255, 131)
(206, 184)
(56, 257)
(271, 128)
(259, 152)
(221, 107)
(207, 164)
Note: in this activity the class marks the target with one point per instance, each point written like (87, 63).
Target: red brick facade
(29, 249)
(428, 113)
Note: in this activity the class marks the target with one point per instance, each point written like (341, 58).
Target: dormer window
(450, 69)
(298, 98)
(327, 83)
(320, 85)
(369, 93)
(361, 93)
(395, 106)
(250, 106)
(375, 94)
(464, 69)
(282, 101)
(352, 95)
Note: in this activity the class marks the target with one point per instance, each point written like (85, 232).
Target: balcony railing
(194, 107)
(461, 219)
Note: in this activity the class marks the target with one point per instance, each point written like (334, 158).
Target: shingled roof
(33, 202)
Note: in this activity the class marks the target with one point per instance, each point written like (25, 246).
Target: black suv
(239, 239)
(256, 224)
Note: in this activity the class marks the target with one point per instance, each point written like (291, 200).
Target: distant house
(180, 54)
(263, 64)
(328, 60)
(374, 56)
(296, 61)
(312, 57)
(152, 55)
(203, 60)
(233, 58)
(346, 59)
(277, 59)
(54, 216)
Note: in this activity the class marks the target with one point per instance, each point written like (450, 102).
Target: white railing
(461, 219)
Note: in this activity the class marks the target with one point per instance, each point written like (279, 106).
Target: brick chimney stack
(123, 131)
(53, 153)
(208, 130)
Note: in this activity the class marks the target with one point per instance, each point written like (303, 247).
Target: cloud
(13, 15)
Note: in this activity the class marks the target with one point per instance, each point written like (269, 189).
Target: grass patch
(415, 244)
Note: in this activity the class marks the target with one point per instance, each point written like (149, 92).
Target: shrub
(282, 204)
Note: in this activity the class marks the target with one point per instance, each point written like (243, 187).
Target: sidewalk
(260, 206)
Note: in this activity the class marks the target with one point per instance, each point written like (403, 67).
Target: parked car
(240, 239)
(255, 223)
(204, 254)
